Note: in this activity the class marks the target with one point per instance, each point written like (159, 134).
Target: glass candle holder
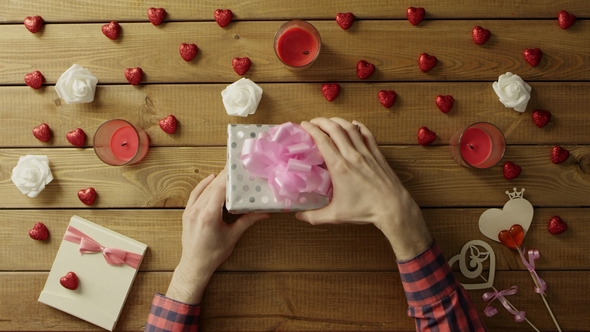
(480, 145)
(118, 142)
(297, 44)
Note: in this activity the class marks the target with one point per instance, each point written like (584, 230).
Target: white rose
(31, 174)
(241, 98)
(512, 91)
(76, 85)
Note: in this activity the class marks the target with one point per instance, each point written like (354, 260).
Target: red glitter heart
(223, 17)
(480, 35)
(541, 118)
(331, 91)
(134, 75)
(533, 56)
(39, 232)
(387, 98)
(87, 196)
(565, 19)
(241, 65)
(445, 103)
(426, 62)
(34, 79)
(111, 30)
(33, 23)
(42, 132)
(76, 137)
(169, 124)
(559, 154)
(188, 51)
(513, 237)
(69, 281)
(425, 136)
(364, 69)
(511, 170)
(415, 15)
(156, 15)
(556, 225)
(344, 20)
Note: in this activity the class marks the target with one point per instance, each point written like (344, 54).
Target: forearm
(188, 286)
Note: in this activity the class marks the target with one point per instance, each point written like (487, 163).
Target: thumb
(247, 220)
(317, 217)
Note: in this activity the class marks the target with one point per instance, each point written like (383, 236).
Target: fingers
(199, 190)
(319, 216)
(371, 143)
(247, 220)
(323, 142)
(216, 193)
(354, 134)
(339, 136)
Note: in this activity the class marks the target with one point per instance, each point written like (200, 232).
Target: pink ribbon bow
(530, 265)
(289, 159)
(113, 256)
(490, 311)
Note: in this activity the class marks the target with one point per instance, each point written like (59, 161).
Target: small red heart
(344, 20)
(511, 170)
(556, 225)
(415, 15)
(241, 65)
(331, 90)
(156, 15)
(387, 98)
(533, 56)
(39, 232)
(169, 124)
(541, 118)
(364, 69)
(565, 19)
(188, 51)
(87, 196)
(34, 79)
(480, 35)
(42, 132)
(134, 75)
(559, 154)
(426, 62)
(513, 237)
(111, 30)
(33, 23)
(445, 103)
(425, 136)
(223, 17)
(76, 137)
(69, 281)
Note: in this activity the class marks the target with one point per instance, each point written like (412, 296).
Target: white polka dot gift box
(274, 168)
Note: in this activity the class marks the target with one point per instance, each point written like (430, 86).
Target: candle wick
(124, 143)
(306, 52)
(471, 147)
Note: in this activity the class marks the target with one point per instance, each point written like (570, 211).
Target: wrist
(407, 234)
(187, 286)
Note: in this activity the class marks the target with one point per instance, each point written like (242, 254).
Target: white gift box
(102, 288)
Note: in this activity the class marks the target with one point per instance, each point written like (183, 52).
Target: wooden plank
(167, 175)
(300, 301)
(203, 119)
(395, 47)
(185, 10)
(285, 244)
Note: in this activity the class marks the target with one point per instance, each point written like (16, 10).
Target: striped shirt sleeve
(436, 299)
(168, 315)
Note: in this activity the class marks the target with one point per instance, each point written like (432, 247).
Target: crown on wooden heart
(515, 194)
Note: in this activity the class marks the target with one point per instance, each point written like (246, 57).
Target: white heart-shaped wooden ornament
(516, 211)
(477, 257)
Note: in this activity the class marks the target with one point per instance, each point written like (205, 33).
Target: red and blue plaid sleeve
(436, 299)
(168, 315)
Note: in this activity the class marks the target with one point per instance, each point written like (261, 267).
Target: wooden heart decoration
(516, 211)
(477, 257)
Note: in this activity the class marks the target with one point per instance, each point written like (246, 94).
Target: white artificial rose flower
(31, 174)
(76, 85)
(241, 98)
(512, 91)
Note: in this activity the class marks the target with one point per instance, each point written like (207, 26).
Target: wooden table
(285, 274)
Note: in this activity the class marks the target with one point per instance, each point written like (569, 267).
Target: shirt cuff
(167, 314)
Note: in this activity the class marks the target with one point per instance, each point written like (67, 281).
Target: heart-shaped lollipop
(513, 237)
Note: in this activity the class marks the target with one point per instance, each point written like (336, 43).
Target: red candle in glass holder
(118, 142)
(297, 44)
(480, 145)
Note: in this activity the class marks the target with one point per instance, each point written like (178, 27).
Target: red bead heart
(387, 98)
(559, 154)
(415, 15)
(223, 17)
(513, 237)
(156, 15)
(331, 91)
(111, 30)
(69, 281)
(541, 118)
(39, 232)
(134, 75)
(565, 19)
(533, 56)
(169, 124)
(87, 196)
(425, 136)
(364, 69)
(42, 132)
(241, 65)
(33, 23)
(426, 62)
(76, 137)
(480, 35)
(188, 51)
(511, 170)
(344, 20)
(34, 79)
(556, 225)
(445, 103)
